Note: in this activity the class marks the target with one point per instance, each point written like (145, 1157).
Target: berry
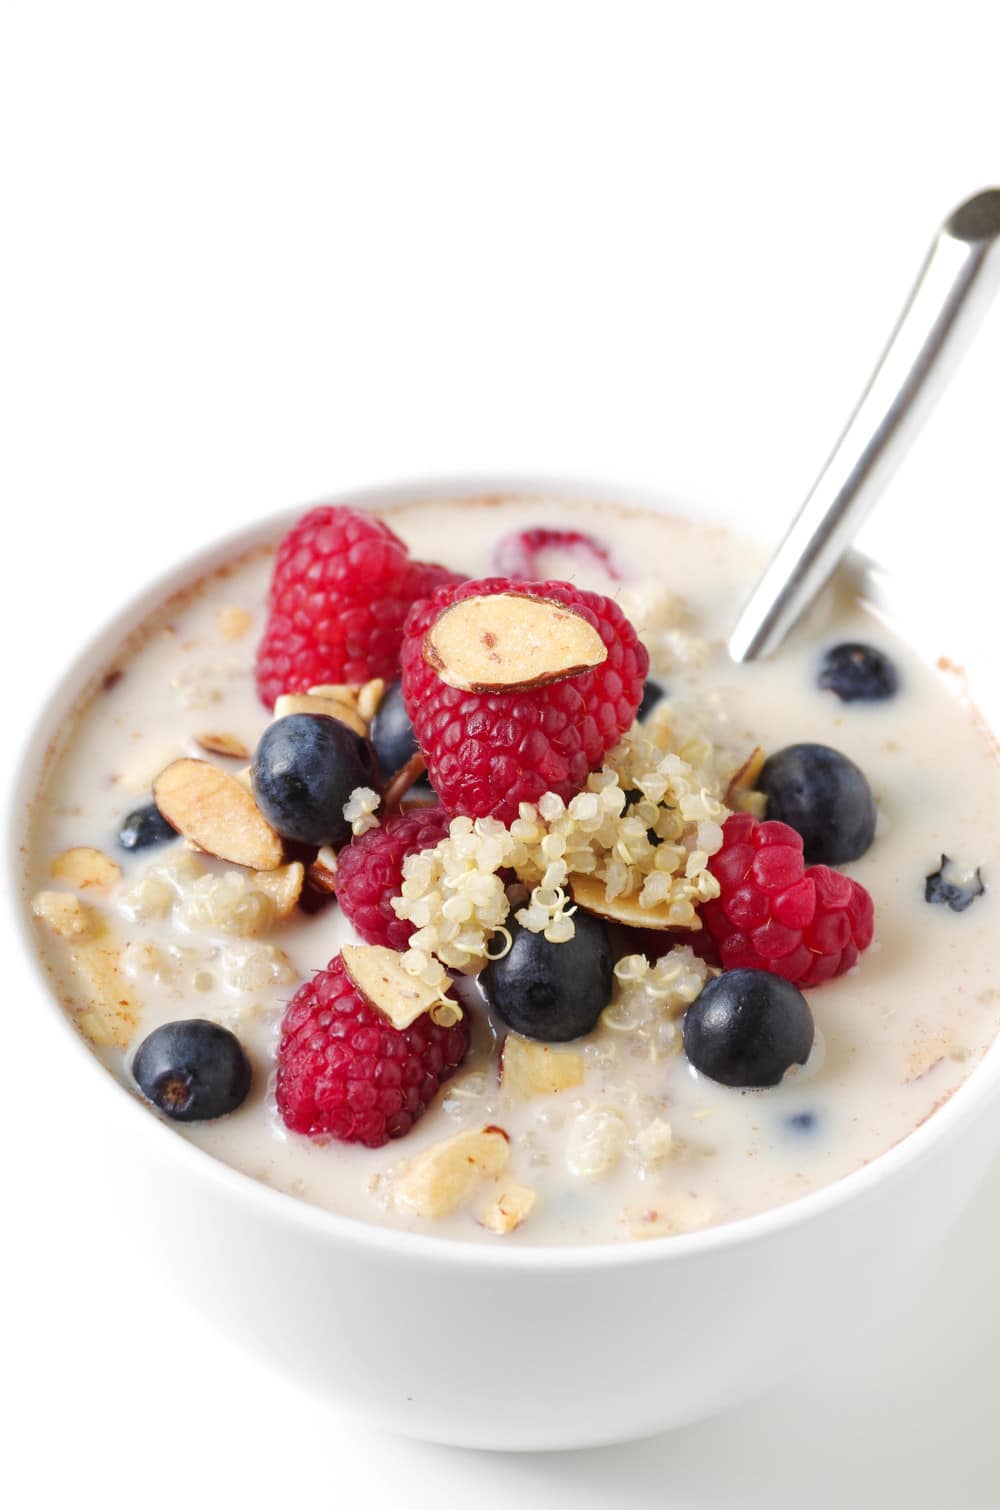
(517, 555)
(747, 1028)
(370, 873)
(487, 752)
(949, 887)
(825, 797)
(858, 673)
(652, 693)
(774, 914)
(345, 1072)
(552, 991)
(304, 769)
(391, 732)
(192, 1070)
(342, 586)
(144, 827)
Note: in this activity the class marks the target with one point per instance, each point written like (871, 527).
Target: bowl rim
(965, 1103)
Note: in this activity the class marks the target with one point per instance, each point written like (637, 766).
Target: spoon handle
(951, 295)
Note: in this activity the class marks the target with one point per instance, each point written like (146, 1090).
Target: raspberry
(370, 873)
(515, 555)
(343, 584)
(487, 752)
(774, 914)
(345, 1072)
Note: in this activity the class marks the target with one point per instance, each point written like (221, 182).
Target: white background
(256, 253)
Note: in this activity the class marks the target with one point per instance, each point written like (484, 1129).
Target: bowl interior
(949, 637)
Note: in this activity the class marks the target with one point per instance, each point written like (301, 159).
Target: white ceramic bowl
(525, 1348)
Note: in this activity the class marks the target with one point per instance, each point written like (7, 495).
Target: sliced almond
(283, 886)
(533, 1069)
(323, 870)
(369, 697)
(223, 744)
(407, 775)
(301, 702)
(446, 1174)
(924, 1055)
(670, 1215)
(107, 1012)
(338, 692)
(590, 893)
(64, 914)
(742, 780)
(218, 813)
(510, 642)
(86, 868)
(111, 1012)
(508, 1210)
(401, 997)
(233, 623)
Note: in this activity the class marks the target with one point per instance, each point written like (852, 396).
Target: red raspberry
(515, 555)
(774, 914)
(343, 584)
(487, 752)
(370, 873)
(345, 1072)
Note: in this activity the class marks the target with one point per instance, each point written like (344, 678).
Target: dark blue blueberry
(392, 735)
(192, 1070)
(652, 692)
(958, 893)
(747, 1028)
(304, 769)
(825, 797)
(801, 1121)
(144, 827)
(858, 673)
(552, 991)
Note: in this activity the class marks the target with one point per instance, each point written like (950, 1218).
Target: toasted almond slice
(223, 744)
(533, 1069)
(369, 697)
(510, 642)
(283, 886)
(323, 870)
(300, 702)
(445, 1175)
(401, 997)
(925, 1054)
(338, 692)
(64, 913)
(590, 893)
(218, 813)
(508, 1210)
(744, 777)
(407, 775)
(111, 1012)
(678, 1212)
(233, 623)
(86, 868)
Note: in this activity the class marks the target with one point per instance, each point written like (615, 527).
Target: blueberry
(192, 1070)
(858, 673)
(825, 797)
(552, 991)
(392, 732)
(747, 1028)
(304, 769)
(948, 887)
(652, 692)
(144, 827)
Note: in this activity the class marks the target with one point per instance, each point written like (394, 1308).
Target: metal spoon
(955, 286)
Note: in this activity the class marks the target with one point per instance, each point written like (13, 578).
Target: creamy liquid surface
(894, 1037)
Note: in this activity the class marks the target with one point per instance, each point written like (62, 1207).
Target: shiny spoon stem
(955, 286)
